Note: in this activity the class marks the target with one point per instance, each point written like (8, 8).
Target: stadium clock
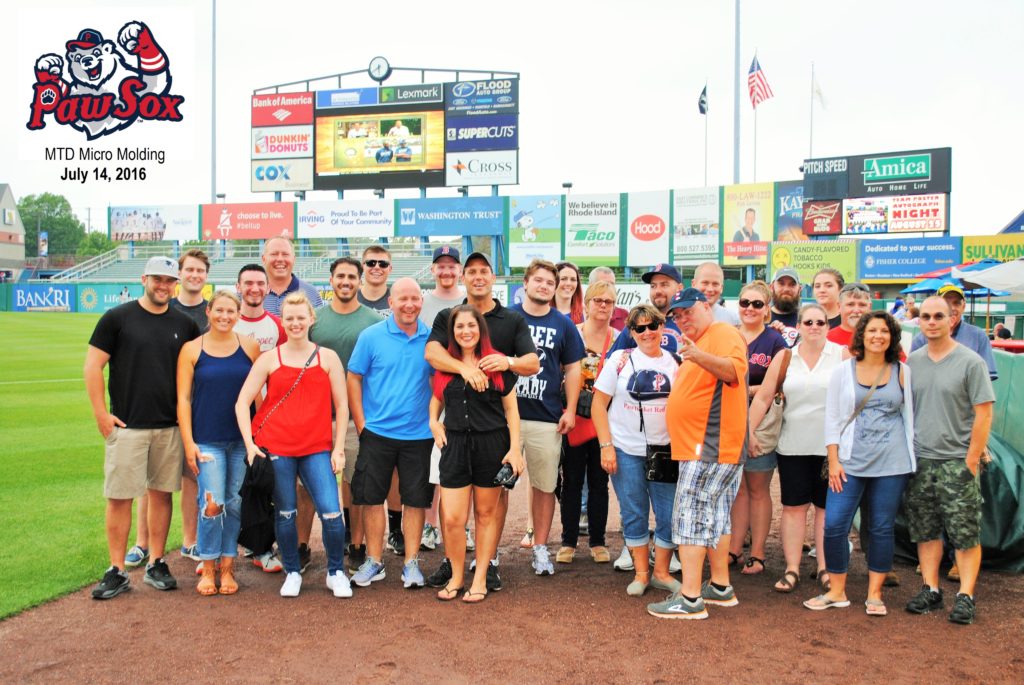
(379, 69)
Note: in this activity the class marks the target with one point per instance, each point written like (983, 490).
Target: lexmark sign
(902, 168)
(913, 172)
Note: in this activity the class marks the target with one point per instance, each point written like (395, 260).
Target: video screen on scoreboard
(374, 149)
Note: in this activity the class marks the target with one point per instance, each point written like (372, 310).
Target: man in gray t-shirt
(953, 400)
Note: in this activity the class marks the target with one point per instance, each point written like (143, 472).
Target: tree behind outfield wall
(94, 243)
(52, 214)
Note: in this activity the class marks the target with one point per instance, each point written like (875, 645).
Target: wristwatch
(510, 360)
(604, 444)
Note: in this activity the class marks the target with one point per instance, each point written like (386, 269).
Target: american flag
(757, 84)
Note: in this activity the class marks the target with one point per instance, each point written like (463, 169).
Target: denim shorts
(762, 464)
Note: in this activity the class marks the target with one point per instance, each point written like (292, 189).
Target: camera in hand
(506, 477)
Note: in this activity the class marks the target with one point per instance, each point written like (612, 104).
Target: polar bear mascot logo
(103, 93)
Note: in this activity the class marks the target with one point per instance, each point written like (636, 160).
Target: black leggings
(578, 462)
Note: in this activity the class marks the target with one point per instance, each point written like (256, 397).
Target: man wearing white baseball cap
(143, 452)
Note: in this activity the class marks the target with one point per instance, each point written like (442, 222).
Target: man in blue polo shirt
(968, 335)
(389, 393)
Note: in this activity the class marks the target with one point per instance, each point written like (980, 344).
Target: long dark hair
(483, 348)
(892, 353)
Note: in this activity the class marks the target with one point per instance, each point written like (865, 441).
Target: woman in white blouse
(801, 450)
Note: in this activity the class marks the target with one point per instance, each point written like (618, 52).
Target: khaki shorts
(137, 459)
(542, 448)
(351, 449)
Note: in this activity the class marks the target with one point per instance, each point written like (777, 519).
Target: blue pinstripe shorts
(704, 496)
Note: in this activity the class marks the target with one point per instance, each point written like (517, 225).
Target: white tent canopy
(1008, 276)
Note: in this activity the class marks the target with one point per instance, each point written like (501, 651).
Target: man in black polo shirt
(143, 454)
(510, 336)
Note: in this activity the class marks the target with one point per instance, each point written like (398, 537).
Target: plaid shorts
(703, 504)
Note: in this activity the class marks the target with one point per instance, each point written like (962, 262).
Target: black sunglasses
(382, 263)
(932, 317)
(641, 327)
(814, 322)
(756, 304)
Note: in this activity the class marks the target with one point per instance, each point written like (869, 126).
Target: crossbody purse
(283, 398)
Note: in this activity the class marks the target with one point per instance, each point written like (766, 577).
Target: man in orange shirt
(707, 424)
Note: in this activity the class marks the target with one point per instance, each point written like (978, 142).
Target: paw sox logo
(102, 92)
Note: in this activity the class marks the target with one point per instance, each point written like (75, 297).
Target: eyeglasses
(601, 301)
(932, 317)
(756, 304)
(814, 322)
(641, 327)
(854, 286)
(382, 263)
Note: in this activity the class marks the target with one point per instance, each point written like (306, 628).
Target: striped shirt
(273, 301)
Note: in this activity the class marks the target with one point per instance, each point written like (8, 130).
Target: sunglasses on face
(932, 317)
(641, 327)
(756, 304)
(382, 263)
(814, 322)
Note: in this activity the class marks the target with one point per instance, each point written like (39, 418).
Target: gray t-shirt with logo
(945, 394)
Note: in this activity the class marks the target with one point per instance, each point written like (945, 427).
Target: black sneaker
(963, 610)
(924, 601)
(304, 557)
(115, 581)
(396, 542)
(159, 576)
(493, 579)
(442, 575)
(356, 556)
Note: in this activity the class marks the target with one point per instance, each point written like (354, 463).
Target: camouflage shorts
(944, 496)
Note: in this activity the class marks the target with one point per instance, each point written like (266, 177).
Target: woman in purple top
(766, 350)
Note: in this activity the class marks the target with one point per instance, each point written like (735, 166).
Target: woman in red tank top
(293, 429)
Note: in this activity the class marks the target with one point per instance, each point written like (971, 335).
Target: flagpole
(736, 102)
(755, 129)
(705, 140)
(810, 147)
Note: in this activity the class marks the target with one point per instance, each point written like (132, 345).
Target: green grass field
(51, 463)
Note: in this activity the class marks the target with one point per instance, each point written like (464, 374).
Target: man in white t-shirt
(446, 270)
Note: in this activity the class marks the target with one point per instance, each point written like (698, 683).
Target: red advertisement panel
(248, 221)
(823, 217)
(754, 252)
(912, 213)
(282, 109)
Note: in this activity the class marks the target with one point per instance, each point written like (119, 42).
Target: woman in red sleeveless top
(293, 429)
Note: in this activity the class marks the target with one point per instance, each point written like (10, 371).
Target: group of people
(429, 405)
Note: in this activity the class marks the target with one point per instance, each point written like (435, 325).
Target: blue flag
(702, 101)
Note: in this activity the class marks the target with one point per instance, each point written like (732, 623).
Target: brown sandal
(788, 582)
(228, 585)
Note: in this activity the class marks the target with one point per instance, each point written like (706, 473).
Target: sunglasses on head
(854, 286)
(814, 322)
(382, 263)
(641, 327)
(756, 304)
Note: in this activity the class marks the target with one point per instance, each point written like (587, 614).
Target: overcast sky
(608, 96)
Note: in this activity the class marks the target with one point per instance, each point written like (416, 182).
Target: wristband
(604, 444)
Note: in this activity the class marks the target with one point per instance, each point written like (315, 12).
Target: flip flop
(447, 594)
(474, 597)
(875, 607)
(734, 559)
(788, 582)
(750, 564)
(822, 602)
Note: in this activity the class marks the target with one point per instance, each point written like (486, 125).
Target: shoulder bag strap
(298, 378)
(863, 402)
(782, 373)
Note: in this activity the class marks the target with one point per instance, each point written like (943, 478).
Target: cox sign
(647, 227)
(281, 175)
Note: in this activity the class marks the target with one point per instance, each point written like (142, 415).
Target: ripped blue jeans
(322, 485)
(220, 505)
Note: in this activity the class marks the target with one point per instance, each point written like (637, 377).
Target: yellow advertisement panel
(1005, 248)
(809, 257)
(748, 213)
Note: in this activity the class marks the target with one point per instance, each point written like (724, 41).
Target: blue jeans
(219, 482)
(882, 495)
(322, 486)
(637, 496)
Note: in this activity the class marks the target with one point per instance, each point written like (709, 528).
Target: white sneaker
(624, 562)
(269, 562)
(339, 583)
(542, 565)
(470, 543)
(430, 538)
(292, 585)
(673, 564)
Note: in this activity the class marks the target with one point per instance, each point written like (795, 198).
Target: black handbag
(659, 466)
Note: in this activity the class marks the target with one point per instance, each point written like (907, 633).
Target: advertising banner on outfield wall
(918, 213)
(475, 98)
(789, 211)
(278, 142)
(647, 228)
(592, 236)
(1005, 247)
(748, 213)
(281, 175)
(695, 215)
(534, 228)
(46, 297)
(823, 217)
(248, 221)
(483, 132)
(99, 297)
(905, 259)
(500, 167)
(866, 216)
(154, 222)
(282, 109)
(451, 216)
(348, 219)
(810, 256)
(901, 173)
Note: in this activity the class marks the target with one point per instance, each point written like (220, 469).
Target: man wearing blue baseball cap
(665, 282)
